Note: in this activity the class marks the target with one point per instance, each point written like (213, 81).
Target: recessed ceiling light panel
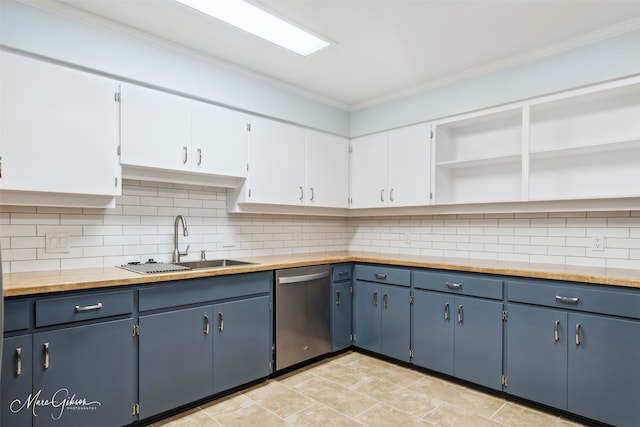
(259, 22)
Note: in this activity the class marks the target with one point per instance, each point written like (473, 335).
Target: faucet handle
(186, 251)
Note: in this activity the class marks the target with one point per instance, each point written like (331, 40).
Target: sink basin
(213, 263)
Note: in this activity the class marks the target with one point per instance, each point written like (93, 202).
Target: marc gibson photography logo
(60, 401)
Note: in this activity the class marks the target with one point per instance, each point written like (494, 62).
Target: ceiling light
(256, 21)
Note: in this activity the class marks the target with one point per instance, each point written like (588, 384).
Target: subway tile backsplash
(141, 227)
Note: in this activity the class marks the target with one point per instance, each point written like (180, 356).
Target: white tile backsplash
(141, 227)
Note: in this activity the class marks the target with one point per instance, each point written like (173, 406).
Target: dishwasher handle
(302, 278)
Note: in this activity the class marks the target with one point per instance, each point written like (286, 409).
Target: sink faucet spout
(185, 232)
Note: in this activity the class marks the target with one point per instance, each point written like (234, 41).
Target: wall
(141, 227)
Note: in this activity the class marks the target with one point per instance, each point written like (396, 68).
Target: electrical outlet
(597, 242)
(56, 243)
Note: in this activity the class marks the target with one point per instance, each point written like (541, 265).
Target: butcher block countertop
(42, 282)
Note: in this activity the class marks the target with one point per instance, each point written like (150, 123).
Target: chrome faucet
(176, 253)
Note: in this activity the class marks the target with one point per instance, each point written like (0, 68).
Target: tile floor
(353, 389)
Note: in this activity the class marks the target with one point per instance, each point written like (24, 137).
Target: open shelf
(486, 161)
(580, 150)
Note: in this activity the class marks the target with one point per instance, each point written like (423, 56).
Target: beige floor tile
(383, 415)
(192, 418)
(254, 415)
(343, 400)
(414, 402)
(339, 373)
(515, 415)
(448, 415)
(227, 405)
(379, 389)
(279, 399)
(296, 377)
(321, 415)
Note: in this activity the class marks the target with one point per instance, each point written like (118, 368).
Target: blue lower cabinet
(382, 319)
(242, 342)
(341, 313)
(536, 354)
(459, 336)
(16, 381)
(175, 359)
(84, 375)
(604, 368)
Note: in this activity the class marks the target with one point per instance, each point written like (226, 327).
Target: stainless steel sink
(213, 263)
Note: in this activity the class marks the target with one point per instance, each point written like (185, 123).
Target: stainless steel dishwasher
(302, 314)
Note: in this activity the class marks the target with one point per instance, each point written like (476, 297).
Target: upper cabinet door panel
(369, 171)
(219, 140)
(276, 162)
(155, 129)
(409, 166)
(59, 129)
(327, 168)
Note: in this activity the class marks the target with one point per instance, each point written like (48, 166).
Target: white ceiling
(384, 48)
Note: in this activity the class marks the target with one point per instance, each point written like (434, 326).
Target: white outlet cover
(56, 243)
(597, 242)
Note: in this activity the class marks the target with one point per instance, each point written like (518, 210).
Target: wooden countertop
(41, 282)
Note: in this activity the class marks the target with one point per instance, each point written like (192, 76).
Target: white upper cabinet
(327, 170)
(172, 133)
(478, 158)
(58, 133)
(276, 163)
(391, 169)
(587, 145)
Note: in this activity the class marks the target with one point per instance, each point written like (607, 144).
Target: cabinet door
(219, 140)
(340, 315)
(433, 323)
(395, 322)
(409, 166)
(16, 382)
(91, 369)
(478, 341)
(155, 129)
(175, 353)
(242, 342)
(369, 171)
(604, 374)
(276, 163)
(536, 354)
(366, 314)
(327, 170)
(58, 127)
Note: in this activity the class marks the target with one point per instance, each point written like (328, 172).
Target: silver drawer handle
(18, 361)
(221, 319)
(578, 334)
(446, 311)
(199, 156)
(380, 276)
(186, 154)
(568, 300)
(460, 314)
(375, 299)
(556, 333)
(343, 273)
(46, 355)
(385, 299)
(391, 195)
(453, 285)
(206, 324)
(97, 306)
(313, 194)
(338, 298)
(301, 194)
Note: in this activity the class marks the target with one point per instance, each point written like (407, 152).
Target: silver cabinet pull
(19, 361)
(312, 194)
(221, 320)
(97, 306)
(578, 334)
(385, 300)
(460, 313)
(301, 193)
(567, 300)
(186, 152)
(343, 273)
(382, 195)
(381, 276)
(556, 333)
(199, 156)
(391, 195)
(446, 311)
(338, 297)
(206, 324)
(453, 285)
(46, 355)
(375, 299)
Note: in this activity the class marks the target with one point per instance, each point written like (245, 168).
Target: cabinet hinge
(430, 196)
(411, 354)
(411, 299)
(504, 381)
(431, 134)
(249, 193)
(354, 338)
(247, 167)
(505, 315)
(116, 181)
(119, 150)
(135, 409)
(248, 127)
(350, 337)
(270, 306)
(116, 97)
(271, 366)
(136, 330)
(351, 290)
(0, 166)
(350, 200)
(350, 149)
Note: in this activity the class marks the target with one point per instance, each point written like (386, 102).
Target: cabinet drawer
(576, 296)
(340, 272)
(74, 308)
(194, 291)
(463, 284)
(16, 315)
(382, 274)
